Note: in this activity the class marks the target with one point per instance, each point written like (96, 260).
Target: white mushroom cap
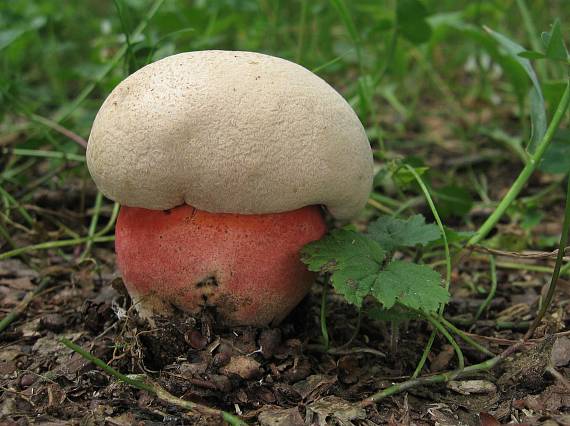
(230, 132)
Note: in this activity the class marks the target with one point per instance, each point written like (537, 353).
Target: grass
(417, 95)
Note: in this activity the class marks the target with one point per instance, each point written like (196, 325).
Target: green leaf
(392, 233)
(403, 177)
(538, 112)
(454, 201)
(554, 43)
(411, 17)
(353, 260)
(410, 10)
(414, 286)
(531, 54)
(8, 36)
(556, 159)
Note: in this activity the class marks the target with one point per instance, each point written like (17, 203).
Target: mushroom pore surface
(246, 267)
(230, 132)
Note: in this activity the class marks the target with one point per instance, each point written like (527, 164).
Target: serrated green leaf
(554, 43)
(538, 111)
(352, 259)
(414, 286)
(392, 233)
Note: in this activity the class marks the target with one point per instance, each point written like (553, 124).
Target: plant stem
(527, 171)
(43, 154)
(460, 358)
(466, 338)
(324, 329)
(153, 388)
(427, 348)
(441, 378)
(425, 353)
(17, 205)
(54, 244)
(92, 225)
(439, 224)
(485, 305)
(558, 265)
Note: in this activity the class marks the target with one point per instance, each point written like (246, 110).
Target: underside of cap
(230, 132)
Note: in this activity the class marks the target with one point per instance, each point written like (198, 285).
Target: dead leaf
(468, 387)
(314, 385)
(442, 359)
(485, 419)
(243, 366)
(560, 355)
(280, 417)
(323, 411)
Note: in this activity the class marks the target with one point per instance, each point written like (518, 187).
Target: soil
(282, 375)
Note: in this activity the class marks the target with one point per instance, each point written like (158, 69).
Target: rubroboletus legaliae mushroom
(221, 161)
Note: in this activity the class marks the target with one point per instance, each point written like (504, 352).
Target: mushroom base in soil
(244, 267)
(256, 145)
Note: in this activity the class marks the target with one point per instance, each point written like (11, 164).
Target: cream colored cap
(230, 132)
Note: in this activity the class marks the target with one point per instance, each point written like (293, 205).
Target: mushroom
(221, 161)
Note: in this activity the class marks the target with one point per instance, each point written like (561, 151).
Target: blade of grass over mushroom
(538, 111)
(153, 388)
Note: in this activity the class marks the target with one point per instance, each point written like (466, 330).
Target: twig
(343, 351)
(154, 388)
(533, 255)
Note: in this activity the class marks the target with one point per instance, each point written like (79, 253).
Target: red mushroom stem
(247, 267)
